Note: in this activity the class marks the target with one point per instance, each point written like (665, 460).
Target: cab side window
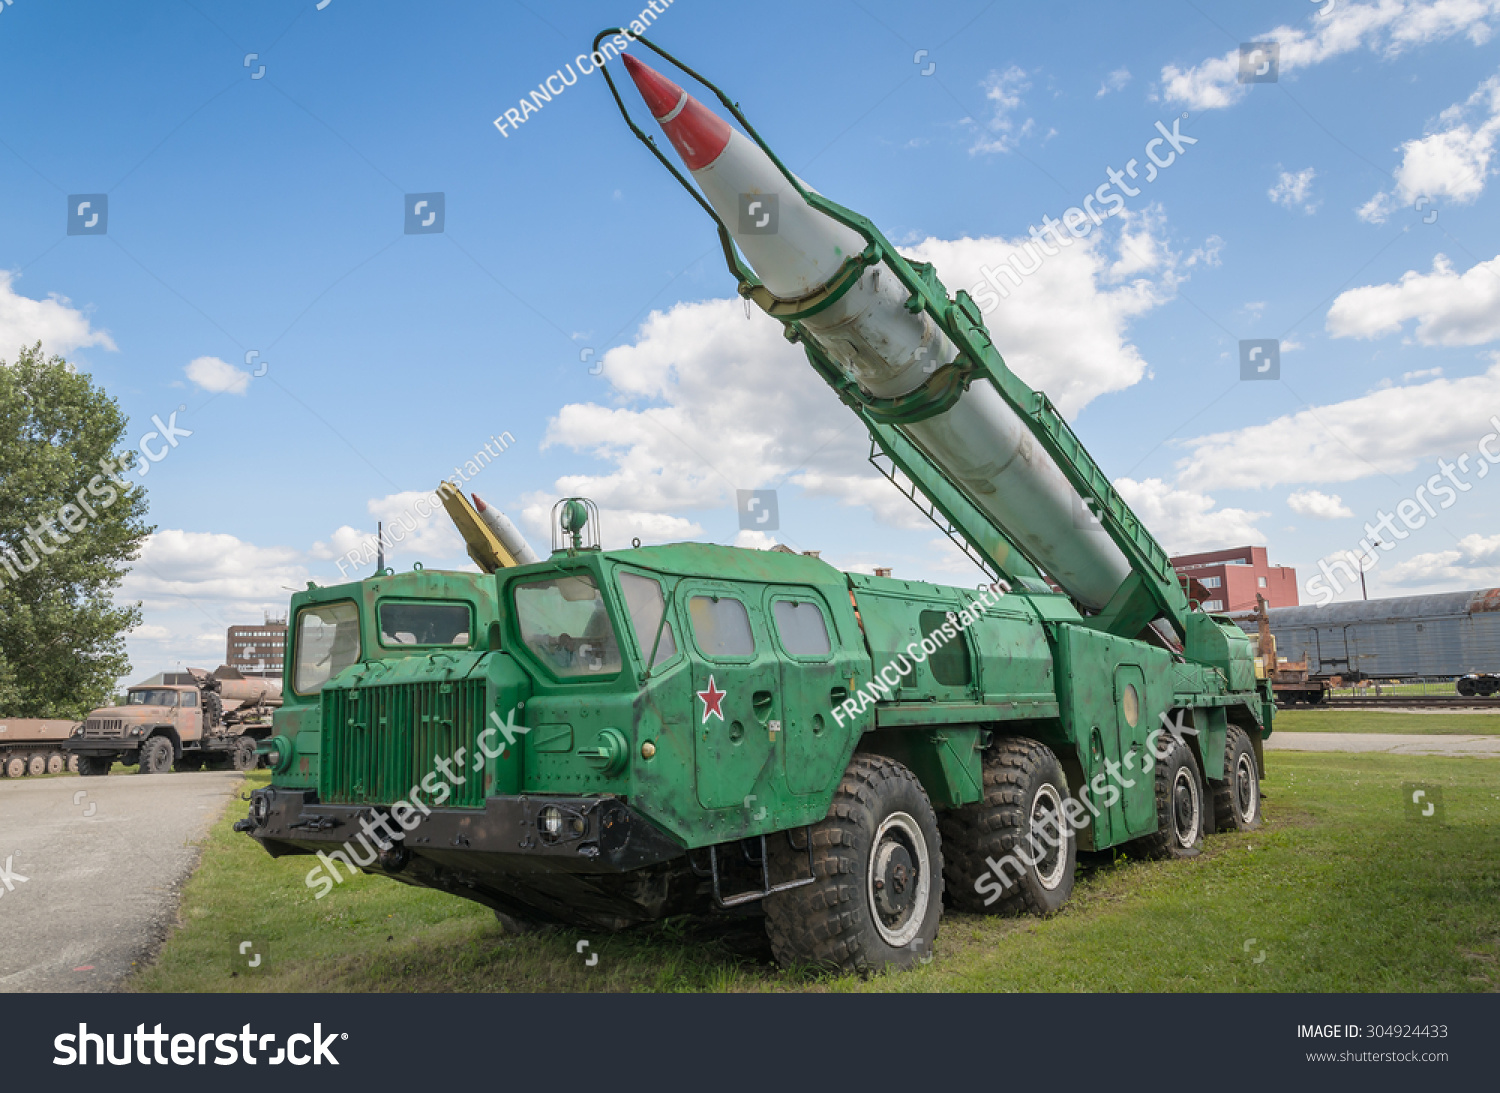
(190, 698)
(647, 606)
(721, 626)
(802, 628)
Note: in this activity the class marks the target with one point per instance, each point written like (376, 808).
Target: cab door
(814, 672)
(735, 711)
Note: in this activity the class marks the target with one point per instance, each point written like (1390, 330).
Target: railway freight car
(1452, 635)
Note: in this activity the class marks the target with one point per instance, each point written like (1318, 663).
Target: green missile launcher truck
(607, 737)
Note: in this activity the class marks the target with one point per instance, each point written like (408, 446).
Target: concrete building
(1228, 580)
(257, 650)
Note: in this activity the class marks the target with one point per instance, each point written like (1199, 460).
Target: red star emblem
(713, 701)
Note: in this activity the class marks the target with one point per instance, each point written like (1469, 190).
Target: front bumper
(598, 834)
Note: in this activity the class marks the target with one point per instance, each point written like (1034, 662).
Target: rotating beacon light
(885, 347)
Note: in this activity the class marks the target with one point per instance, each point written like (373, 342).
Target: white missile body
(509, 535)
(980, 441)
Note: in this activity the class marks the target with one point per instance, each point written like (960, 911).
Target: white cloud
(1004, 90)
(1383, 432)
(1293, 190)
(1115, 81)
(55, 322)
(707, 402)
(1386, 27)
(1320, 506)
(214, 572)
(407, 532)
(1451, 162)
(216, 376)
(1450, 308)
(1474, 564)
(1184, 521)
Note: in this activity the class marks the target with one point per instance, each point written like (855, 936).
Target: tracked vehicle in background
(601, 738)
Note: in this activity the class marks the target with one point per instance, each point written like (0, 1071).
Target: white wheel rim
(1186, 808)
(1246, 789)
(1049, 862)
(898, 832)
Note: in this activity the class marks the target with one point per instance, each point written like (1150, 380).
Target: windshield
(151, 698)
(563, 621)
(424, 624)
(327, 643)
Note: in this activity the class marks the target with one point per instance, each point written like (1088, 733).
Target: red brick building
(1228, 580)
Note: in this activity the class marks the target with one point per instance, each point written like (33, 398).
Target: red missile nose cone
(698, 134)
(660, 93)
(479, 506)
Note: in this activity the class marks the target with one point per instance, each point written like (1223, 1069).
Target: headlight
(77, 730)
(550, 822)
(260, 806)
(136, 730)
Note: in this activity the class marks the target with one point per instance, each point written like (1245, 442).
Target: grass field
(1341, 891)
(1381, 721)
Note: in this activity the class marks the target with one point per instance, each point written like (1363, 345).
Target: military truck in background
(35, 745)
(191, 720)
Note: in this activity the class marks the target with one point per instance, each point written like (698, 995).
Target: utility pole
(1362, 593)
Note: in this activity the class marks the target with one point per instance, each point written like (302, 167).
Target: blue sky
(575, 298)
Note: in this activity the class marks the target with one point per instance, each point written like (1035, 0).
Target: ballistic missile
(796, 250)
(509, 535)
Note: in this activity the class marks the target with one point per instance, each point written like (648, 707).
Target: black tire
(36, 764)
(156, 756)
(15, 766)
(1237, 797)
(94, 766)
(1181, 810)
(57, 762)
(242, 757)
(880, 829)
(1019, 820)
(1467, 688)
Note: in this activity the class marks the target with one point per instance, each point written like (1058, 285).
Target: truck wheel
(243, 757)
(1020, 824)
(56, 763)
(91, 766)
(15, 766)
(156, 756)
(1180, 812)
(1467, 688)
(1237, 798)
(73, 763)
(878, 863)
(36, 765)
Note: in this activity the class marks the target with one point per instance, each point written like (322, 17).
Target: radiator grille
(379, 742)
(104, 728)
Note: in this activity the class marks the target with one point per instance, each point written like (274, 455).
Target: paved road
(1395, 743)
(102, 875)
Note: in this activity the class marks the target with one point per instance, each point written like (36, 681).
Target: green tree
(69, 527)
